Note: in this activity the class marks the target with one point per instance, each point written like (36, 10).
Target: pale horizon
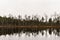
(29, 7)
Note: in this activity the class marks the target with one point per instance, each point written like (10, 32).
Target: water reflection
(45, 32)
(42, 32)
(27, 32)
(48, 34)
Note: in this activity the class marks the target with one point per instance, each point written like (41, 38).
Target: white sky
(29, 7)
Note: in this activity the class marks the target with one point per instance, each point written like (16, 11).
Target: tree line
(28, 21)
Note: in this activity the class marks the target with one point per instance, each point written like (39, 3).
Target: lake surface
(40, 35)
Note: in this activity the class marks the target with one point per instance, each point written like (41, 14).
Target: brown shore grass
(29, 27)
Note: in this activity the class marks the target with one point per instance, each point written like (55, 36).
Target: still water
(41, 35)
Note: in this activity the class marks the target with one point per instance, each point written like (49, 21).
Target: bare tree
(10, 16)
(55, 17)
(42, 20)
(46, 17)
(25, 17)
(19, 17)
(29, 17)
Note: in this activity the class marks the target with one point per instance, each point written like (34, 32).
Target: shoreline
(30, 27)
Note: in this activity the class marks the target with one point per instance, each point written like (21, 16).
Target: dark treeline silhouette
(28, 21)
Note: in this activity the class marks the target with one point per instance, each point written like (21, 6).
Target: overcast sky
(29, 7)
